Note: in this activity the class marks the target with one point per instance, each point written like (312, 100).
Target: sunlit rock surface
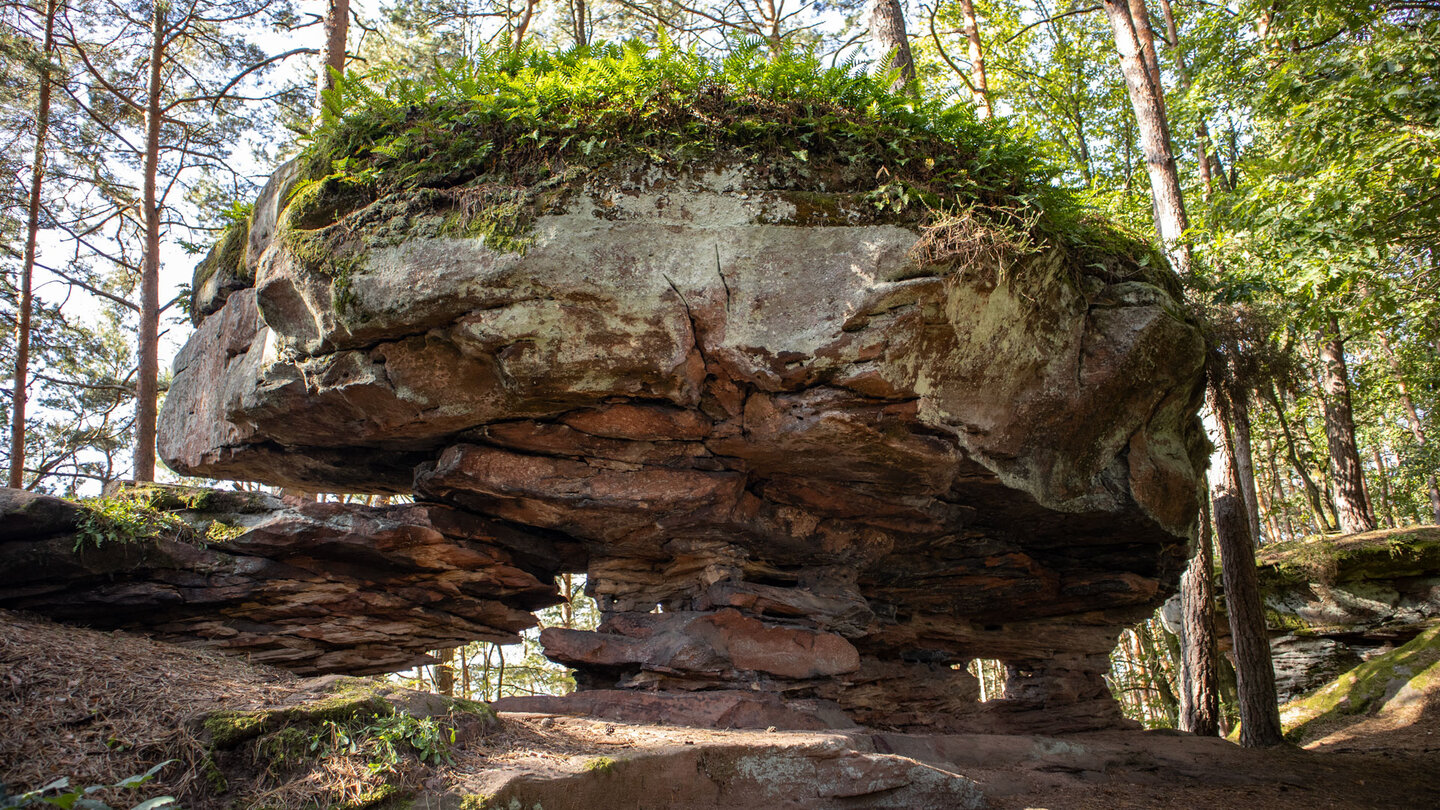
(837, 473)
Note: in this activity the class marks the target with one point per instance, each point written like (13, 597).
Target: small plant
(600, 765)
(388, 735)
(79, 798)
(124, 518)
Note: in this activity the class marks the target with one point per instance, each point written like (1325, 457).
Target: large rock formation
(1332, 603)
(792, 452)
(312, 587)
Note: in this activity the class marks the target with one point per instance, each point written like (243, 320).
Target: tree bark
(445, 672)
(1199, 688)
(27, 269)
(977, 58)
(1312, 492)
(148, 375)
(332, 54)
(887, 22)
(1413, 416)
(1386, 503)
(523, 26)
(1352, 504)
(1245, 463)
(1254, 672)
(1149, 105)
(1208, 178)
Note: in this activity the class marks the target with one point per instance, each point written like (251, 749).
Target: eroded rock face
(1334, 603)
(830, 466)
(312, 587)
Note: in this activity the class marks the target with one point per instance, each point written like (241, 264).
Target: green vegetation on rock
(1367, 688)
(481, 148)
(1380, 554)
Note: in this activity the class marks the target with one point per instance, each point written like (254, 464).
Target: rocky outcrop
(312, 587)
(1333, 603)
(790, 455)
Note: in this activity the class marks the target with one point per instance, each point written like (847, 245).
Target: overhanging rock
(313, 587)
(790, 456)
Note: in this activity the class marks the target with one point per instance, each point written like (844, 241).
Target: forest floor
(98, 707)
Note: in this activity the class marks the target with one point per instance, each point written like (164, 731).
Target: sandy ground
(100, 706)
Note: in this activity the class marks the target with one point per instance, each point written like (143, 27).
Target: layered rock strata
(1334, 603)
(794, 457)
(312, 587)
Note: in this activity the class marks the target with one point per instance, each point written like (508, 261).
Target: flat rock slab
(311, 587)
(712, 709)
(598, 765)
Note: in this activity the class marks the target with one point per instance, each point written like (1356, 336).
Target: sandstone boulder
(818, 452)
(313, 587)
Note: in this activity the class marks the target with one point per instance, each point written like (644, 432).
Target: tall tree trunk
(977, 58)
(1245, 462)
(887, 22)
(1385, 503)
(147, 384)
(1413, 416)
(1149, 105)
(1352, 504)
(1202, 130)
(332, 54)
(1312, 492)
(1199, 690)
(27, 268)
(1254, 672)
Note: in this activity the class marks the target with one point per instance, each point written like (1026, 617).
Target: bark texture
(1149, 105)
(979, 83)
(148, 375)
(887, 22)
(332, 53)
(1351, 501)
(1199, 687)
(1254, 673)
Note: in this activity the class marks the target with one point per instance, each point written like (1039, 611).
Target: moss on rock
(1368, 687)
(1380, 554)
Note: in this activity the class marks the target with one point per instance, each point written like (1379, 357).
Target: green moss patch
(1380, 554)
(1366, 688)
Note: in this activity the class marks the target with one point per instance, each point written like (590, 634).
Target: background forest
(1284, 154)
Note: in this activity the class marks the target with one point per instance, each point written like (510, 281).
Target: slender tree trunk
(1385, 503)
(27, 268)
(1413, 416)
(1352, 504)
(1202, 130)
(977, 58)
(332, 55)
(445, 673)
(1149, 105)
(887, 22)
(1199, 690)
(523, 27)
(1245, 463)
(1312, 492)
(579, 23)
(147, 384)
(1254, 672)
